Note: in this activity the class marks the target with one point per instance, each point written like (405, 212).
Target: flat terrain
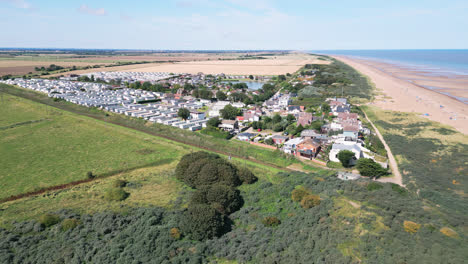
(20, 67)
(58, 147)
(272, 65)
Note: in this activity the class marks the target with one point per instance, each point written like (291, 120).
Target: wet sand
(403, 90)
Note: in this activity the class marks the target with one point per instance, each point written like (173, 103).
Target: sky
(235, 24)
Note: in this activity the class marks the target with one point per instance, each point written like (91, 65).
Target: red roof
(239, 118)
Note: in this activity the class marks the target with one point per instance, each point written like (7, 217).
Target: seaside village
(342, 131)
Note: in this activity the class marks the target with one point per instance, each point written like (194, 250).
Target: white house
(290, 145)
(355, 148)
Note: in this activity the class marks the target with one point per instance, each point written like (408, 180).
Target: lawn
(63, 147)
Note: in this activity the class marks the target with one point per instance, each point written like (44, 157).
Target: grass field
(432, 157)
(63, 147)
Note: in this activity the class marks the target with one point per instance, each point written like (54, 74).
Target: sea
(450, 63)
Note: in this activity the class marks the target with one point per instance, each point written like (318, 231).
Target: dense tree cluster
(230, 112)
(370, 168)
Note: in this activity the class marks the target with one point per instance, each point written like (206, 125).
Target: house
(229, 125)
(246, 136)
(278, 139)
(309, 134)
(305, 119)
(240, 118)
(351, 131)
(290, 145)
(336, 148)
(308, 149)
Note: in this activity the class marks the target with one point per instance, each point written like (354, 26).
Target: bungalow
(336, 148)
(197, 115)
(308, 149)
(309, 134)
(278, 139)
(245, 136)
(229, 125)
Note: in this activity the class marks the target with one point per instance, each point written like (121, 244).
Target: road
(397, 178)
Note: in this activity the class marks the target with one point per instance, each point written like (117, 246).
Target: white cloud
(91, 11)
(19, 4)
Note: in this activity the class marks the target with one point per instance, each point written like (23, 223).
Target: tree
(251, 77)
(281, 78)
(269, 141)
(201, 221)
(290, 118)
(345, 157)
(183, 113)
(368, 167)
(326, 108)
(229, 112)
(225, 199)
(221, 96)
(276, 118)
(213, 122)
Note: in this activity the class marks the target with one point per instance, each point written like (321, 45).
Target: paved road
(397, 179)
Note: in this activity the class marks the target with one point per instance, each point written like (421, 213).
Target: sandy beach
(403, 91)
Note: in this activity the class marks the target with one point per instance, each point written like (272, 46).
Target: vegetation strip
(75, 183)
(23, 123)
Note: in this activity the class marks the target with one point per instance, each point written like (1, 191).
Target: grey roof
(309, 133)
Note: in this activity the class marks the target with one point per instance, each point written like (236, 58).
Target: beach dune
(402, 95)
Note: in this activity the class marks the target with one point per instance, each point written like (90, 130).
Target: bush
(202, 222)
(90, 175)
(310, 201)
(70, 223)
(175, 233)
(411, 227)
(246, 176)
(298, 194)
(345, 157)
(372, 186)
(271, 221)
(368, 167)
(119, 183)
(116, 194)
(49, 219)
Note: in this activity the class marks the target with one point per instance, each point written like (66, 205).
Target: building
(290, 145)
(308, 149)
(229, 125)
(278, 139)
(246, 136)
(305, 119)
(336, 148)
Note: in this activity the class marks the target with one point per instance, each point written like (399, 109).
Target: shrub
(310, 201)
(202, 222)
(116, 194)
(372, 186)
(400, 190)
(175, 233)
(345, 157)
(368, 167)
(90, 175)
(298, 194)
(271, 221)
(411, 227)
(449, 232)
(246, 176)
(69, 223)
(49, 219)
(119, 183)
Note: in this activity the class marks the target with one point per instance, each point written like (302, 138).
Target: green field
(63, 147)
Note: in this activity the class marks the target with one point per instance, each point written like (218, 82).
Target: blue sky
(235, 24)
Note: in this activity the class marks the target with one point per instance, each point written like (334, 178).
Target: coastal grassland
(334, 79)
(147, 187)
(228, 147)
(64, 146)
(432, 157)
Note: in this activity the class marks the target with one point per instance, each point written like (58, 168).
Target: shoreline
(399, 94)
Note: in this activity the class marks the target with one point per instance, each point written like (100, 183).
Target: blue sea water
(438, 61)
